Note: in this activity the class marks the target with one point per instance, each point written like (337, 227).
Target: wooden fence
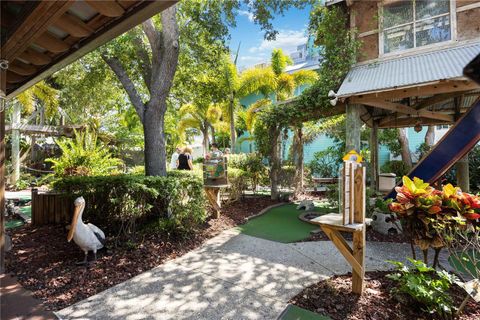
(50, 208)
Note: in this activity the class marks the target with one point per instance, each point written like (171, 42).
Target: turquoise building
(307, 58)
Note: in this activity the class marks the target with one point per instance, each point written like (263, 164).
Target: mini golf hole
(309, 215)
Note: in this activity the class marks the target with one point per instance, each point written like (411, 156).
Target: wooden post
(3, 89)
(15, 143)
(354, 178)
(353, 127)
(34, 206)
(374, 171)
(359, 255)
(463, 174)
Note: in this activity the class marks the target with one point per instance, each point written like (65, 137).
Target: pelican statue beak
(76, 213)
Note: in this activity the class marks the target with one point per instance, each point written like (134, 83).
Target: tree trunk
(212, 129)
(205, 141)
(275, 163)
(403, 140)
(154, 137)
(16, 143)
(430, 136)
(232, 126)
(298, 160)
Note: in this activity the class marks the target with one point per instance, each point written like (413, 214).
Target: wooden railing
(50, 208)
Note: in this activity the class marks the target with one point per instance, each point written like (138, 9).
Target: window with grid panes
(415, 23)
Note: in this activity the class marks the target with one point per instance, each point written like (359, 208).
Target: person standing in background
(185, 159)
(174, 159)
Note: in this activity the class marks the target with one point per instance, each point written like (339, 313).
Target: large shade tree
(145, 60)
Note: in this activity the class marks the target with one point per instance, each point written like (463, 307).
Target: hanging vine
(339, 49)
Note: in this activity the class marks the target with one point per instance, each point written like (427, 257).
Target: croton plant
(427, 210)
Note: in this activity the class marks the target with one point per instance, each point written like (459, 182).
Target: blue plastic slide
(453, 146)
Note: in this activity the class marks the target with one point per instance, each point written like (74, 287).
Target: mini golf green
(293, 312)
(14, 223)
(281, 224)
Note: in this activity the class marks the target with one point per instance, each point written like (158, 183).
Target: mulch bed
(50, 272)
(371, 235)
(333, 297)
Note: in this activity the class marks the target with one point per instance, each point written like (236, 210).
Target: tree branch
(142, 53)
(165, 58)
(127, 84)
(153, 35)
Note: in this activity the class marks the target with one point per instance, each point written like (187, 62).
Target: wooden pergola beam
(35, 57)
(436, 99)
(73, 26)
(34, 26)
(401, 108)
(21, 68)
(51, 43)
(106, 8)
(402, 122)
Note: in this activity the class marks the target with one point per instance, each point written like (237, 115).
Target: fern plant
(84, 155)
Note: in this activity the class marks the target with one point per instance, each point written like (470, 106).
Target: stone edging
(265, 210)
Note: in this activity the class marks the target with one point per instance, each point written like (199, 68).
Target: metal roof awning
(408, 71)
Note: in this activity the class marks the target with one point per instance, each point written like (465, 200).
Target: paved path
(232, 276)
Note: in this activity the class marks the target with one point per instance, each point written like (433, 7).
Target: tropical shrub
(474, 168)
(398, 167)
(425, 285)
(252, 165)
(84, 155)
(428, 211)
(121, 204)
(238, 180)
(286, 176)
(325, 164)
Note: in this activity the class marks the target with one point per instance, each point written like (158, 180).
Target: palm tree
(232, 83)
(204, 118)
(272, 82)
(276, 85)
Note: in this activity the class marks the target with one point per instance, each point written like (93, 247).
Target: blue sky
(254, 49)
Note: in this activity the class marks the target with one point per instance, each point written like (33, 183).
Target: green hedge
(121, 204)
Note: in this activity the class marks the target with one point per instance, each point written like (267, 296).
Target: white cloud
(287, 40)
(252, 58)
(247, 14)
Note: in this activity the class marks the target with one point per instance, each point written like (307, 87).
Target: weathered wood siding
(50, 208)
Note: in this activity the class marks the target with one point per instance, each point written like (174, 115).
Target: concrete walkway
(232, 276)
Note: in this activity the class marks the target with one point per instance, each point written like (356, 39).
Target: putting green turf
(14, 223)
(281, 224)
(293, 312)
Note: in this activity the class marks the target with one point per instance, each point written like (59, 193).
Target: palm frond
(285, 86)
(252, 111)
(257, 80)
(303, 77)
(280, 61)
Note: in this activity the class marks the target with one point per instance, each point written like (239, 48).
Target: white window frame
(453, 30)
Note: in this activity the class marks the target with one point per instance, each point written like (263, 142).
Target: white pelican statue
(87, 236)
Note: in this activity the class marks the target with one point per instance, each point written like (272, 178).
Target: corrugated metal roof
(426, 67)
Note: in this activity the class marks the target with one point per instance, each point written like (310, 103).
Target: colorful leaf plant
(426, 211)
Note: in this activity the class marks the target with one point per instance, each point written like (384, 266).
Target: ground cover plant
(333, 297)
